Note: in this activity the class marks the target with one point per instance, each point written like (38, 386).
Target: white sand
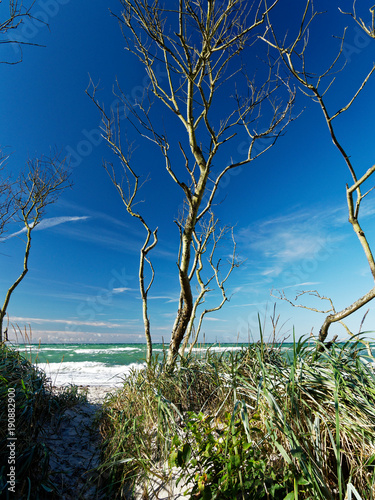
(95, 393)
(74, 446)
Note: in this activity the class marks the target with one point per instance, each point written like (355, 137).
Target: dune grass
(26, 395)
(254, 423)
(259, 422)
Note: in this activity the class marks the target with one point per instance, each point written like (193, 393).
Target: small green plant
(228, 459)
(70, 395)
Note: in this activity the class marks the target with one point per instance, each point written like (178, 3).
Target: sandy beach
(97, 393)
(73, 439)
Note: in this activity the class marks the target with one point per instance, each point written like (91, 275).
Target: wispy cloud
(41, 321)
(287, 244)
(55, 221)
(97, 294)
(271, 272)
(124, 289)
(211, 318)
(306, 283)
(107, 232)
(111, 238)
(79, 336)
(288, 238)
(94, 214)
(48, 223)
(367, 210)
(250, 304)
(168, 298)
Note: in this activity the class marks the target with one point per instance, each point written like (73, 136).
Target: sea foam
(87, 373)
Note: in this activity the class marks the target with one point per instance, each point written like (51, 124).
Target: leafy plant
(228, 459)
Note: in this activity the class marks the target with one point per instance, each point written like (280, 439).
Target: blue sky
(288, 207)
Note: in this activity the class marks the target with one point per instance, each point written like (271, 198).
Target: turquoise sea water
(102, 364)
(95, 364)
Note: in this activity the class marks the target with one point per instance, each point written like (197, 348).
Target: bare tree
(40, 183)
(198, 44)
(16, 14)
(26, 200)
(317, 87)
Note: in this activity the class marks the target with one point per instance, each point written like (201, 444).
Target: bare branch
(128, 195)
(345, 108)
(209, 234)
(17, 14)
(313, 293)
(369, 30)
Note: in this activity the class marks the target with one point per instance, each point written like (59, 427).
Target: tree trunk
(2, 315)
(185, 311)
(17, 282)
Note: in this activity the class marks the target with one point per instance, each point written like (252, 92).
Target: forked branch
(204, 285)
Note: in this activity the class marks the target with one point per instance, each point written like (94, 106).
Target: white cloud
(93, 214)
(292, 237)
(272, 272)
(287, 245)
(210, 318)
(55, 221)
(123, 289)
(307, 283)
(46, 224)
(367, 209)
(168, 298)
(250, 304)
(40, 321)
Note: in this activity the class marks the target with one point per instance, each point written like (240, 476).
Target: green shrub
(225, 460)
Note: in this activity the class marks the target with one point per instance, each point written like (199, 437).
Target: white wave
(125, 349)
(42, 349)
(87, 373)
(216, 349)
(107, 350)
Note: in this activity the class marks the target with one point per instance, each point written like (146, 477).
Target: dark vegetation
(35, 406)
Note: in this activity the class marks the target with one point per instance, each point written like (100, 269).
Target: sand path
(73, 440)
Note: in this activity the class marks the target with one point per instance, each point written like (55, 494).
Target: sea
(105, 364)
(96, 364)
